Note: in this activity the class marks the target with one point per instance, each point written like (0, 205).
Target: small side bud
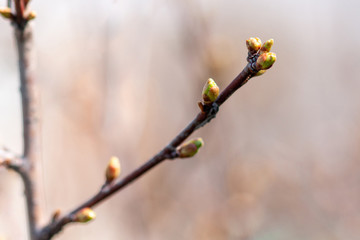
(253, 44)
(6, 12)
(113, 169)
(190, 148)
(266, 47)
(31, 16)
(265, 61)
(85, 215)
(56, 215)
(210, 91)
(6, 162)
(201, 106)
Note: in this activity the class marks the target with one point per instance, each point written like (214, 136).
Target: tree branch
(168, 152)
(26, 166)
(259, 60)
(31, 128)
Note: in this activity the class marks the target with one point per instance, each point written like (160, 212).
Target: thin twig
(167, 152)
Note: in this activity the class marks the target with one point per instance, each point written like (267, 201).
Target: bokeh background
(281, 160)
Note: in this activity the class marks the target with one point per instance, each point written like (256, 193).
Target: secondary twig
(9, 159)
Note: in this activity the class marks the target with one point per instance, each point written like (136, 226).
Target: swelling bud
(266, 47)
(265, 61)
(6, 12)
(253, 44)
(210, 91)
(85, 215)
(113, 169)
(190, 148)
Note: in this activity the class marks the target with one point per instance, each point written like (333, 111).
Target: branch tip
(259, 55)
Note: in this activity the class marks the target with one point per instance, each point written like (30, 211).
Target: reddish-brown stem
(19, 7)
(239, 81)
(31, 128)
(168, 152)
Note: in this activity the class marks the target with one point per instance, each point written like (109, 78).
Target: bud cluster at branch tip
(113, 169)
(260, 57)
(6, 12)
(84, 215)
(210, 91)
(190, 148)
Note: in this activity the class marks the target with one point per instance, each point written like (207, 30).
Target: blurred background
(281, 160)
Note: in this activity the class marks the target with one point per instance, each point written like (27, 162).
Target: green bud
(210, 91)
(253, 44)
(190, 148)
(266, 47)
(6, 12)
(265, 60)
(113, 169)
(85, 215)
